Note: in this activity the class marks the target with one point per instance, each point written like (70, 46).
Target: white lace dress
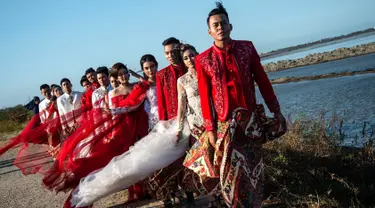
(189, 103)
(155, 151)
(151, 107)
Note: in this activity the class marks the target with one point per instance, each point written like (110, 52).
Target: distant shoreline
(316, 58)
(280, 51)
(283, 80)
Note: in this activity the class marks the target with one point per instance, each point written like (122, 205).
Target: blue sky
(43, 41)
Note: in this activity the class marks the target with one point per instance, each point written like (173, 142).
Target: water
(347, 43)
(352, 97)
(349, 64)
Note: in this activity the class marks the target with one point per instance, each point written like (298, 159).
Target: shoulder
(161, 73)
(96, 91)
(43, 102)
(113, 92)
(40, 105)
(244, 44)
(59, 99)
(142, 84)
(180, 80)
(204, 55)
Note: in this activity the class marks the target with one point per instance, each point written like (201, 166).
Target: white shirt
(67, 104)
(98, 97)
(43, 111)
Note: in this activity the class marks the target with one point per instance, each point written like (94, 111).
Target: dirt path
(19, 191)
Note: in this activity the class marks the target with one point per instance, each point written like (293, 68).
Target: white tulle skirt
(155, 151)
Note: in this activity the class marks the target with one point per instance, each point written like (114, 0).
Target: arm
(60, 109)
(204, 87)
(162, 108)
(182, 101)
(41, 113)
(136, 75)
(264, 84)
(94, 100)
(133, 101)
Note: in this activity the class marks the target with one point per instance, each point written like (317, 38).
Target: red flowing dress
(103, 136)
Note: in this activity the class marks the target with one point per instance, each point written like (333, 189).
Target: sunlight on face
(123, 76)
(219, 27)
(189, 57)
(149, 68)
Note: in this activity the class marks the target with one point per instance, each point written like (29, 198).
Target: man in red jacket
(226, 73)
(166, 80)
(172, 176)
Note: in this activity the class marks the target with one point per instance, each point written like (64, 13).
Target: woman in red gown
(108, 133)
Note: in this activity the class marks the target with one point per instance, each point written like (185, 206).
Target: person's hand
(212, 138)
(179, 135)
(280, 117)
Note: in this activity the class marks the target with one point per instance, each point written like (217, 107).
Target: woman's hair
(117, 66)
(83, 79)
(185, 47)
(145, 58)
(113, 73)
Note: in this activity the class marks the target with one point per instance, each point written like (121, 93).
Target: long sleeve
(263, 82)
(60, 110)
(182, 102)
(204, 87)
(132, 102)
(42, 113)
(94, 100)
(162, 108)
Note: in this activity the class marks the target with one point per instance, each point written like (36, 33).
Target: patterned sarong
(237, 158)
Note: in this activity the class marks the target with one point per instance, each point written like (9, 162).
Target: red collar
(226, 50)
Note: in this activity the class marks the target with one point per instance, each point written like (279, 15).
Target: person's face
(91, 77)
(114, 82)
(36, 101)
(57, 91)
(149, 68)
(219, 27)
(123, 76)
(102, 79)
(188, 57)
(85, 84)
(46, 92)
(171, 53)
(66, 86)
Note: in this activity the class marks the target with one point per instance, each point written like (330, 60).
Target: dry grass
(13, 119)
(308, 167)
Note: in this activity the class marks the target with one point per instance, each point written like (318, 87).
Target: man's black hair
(44, 86)
(64, 80)
(218, 10)
(102, 70)
(89, 70)
(171, 40)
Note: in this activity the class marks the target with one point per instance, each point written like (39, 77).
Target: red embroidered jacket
(166, 90)
(86, 99)
(226, 80)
